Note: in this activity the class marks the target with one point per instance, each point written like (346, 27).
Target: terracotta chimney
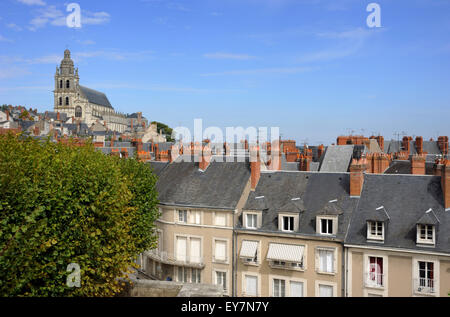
(7, 115)
(437, 167)
(205, 158)
(419, 145)
(380, 140)
(418, 164)
(58, 116)
(320, 150)
(443, 144)
(255, 166)
(357, 169)
(131, 124)
(275, 152)
(445, 182)
(405, 143)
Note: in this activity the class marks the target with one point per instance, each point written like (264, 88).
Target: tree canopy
(164, 129)
(62, 204)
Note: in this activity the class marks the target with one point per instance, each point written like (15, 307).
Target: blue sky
(311, 67)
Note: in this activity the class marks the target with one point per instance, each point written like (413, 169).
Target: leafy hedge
(63, 204)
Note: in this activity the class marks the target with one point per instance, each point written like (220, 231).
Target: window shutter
(251, 285)
(195, 250)
(317, 260)
(317, 225)
(296, 289)
(325, 291)
(220, 250)
(329, 261)
(221, 219)
(181, 248)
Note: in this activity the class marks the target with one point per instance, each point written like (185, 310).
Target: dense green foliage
(63, 204)
(164, 129)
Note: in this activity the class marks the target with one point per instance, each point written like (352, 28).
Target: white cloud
(275, 70)
(228, 56)
(13, 72)
(14, 26)
(4, 39)
(32, 2)
(56, 17)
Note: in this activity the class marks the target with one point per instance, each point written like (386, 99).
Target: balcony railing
(374, 279)
(425, 285)
(176, 259)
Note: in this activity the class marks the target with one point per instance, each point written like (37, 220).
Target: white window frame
(319, 225)
(420, 240)
(195, 217)
(317, 257)
(376, 236)
(188, 247)
(281, 222)
(258, 254)
(227, 282)
(222, 214)
(326, 283)
(185, 272)
(185, 211)
(244, 284)
(253, 215)
(416, 275)
(227, 243)
(199, 275)
(285, 286)
(373, 288)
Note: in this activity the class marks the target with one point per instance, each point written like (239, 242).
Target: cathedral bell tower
(66, 86)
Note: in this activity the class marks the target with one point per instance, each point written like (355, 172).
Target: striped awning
(285, 252)
(248, 249)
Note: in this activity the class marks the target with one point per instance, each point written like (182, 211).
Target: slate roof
(316, 190)
(406, 198)
(431, 147)
(96, 97)
(337, 158)
(404, 167)
(219, 186)
(158, 167)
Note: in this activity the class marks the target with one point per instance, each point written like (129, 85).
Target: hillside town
(364, 216)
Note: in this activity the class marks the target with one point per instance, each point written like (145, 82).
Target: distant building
(88, 105)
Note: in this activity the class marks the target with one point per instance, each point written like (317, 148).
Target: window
(182, 216)
(60, 101)
(60, 84)
(425, 234)
(325, 290)
(296, 289)
(221, 279)
(220, 250)
(67, 84)
(195, 250)
(249, 252)
(375, 230)
(196, 217)
(288, 223)
(375, 276)
(326, 260)
(426, 277)
(67, 101)
(326, 226)
(78, 112)
(196, 276)
(251, 285)
(279, 288)
(182, 275)
(220, 219)
(251, 221)
(181, 249)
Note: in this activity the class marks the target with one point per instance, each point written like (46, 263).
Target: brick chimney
(443, 144)
(380, 140)
(320, 150)
(418, 164)
(357, 169)
(205, 158)
(405, 143)
(445, 182)
(419, 145)
(255, 166)
(58, 116)
(131, 124)
(437, 167)
(275, 156)
(7, 115)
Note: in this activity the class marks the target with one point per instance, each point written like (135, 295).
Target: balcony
(176, 259)
(374, 280)
(425, 286)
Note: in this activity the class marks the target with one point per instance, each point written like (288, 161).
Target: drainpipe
(233, 269)
(345, 275)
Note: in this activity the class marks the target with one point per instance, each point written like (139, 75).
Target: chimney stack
(7, 115)
(357, 169)
(445, 182)
(255, 166)
(419, 145)
(405, 144)
(443, 144)
(205, 158)
(418, 164)
(58, 116)
(275, 153)
(380, 140)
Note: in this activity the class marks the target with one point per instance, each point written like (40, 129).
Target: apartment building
(398, 242)
(290, 235)
(199, 205)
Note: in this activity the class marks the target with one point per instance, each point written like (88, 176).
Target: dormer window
(326, 225)
(375, 230)
(425, 234)
(252, 220)
(287, 223)
(426, 228)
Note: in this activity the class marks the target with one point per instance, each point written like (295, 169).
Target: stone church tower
(82, 103)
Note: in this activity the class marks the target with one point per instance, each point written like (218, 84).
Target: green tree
(164, 129)
(61, 204)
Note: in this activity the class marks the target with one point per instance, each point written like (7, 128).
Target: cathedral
(82, 103)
